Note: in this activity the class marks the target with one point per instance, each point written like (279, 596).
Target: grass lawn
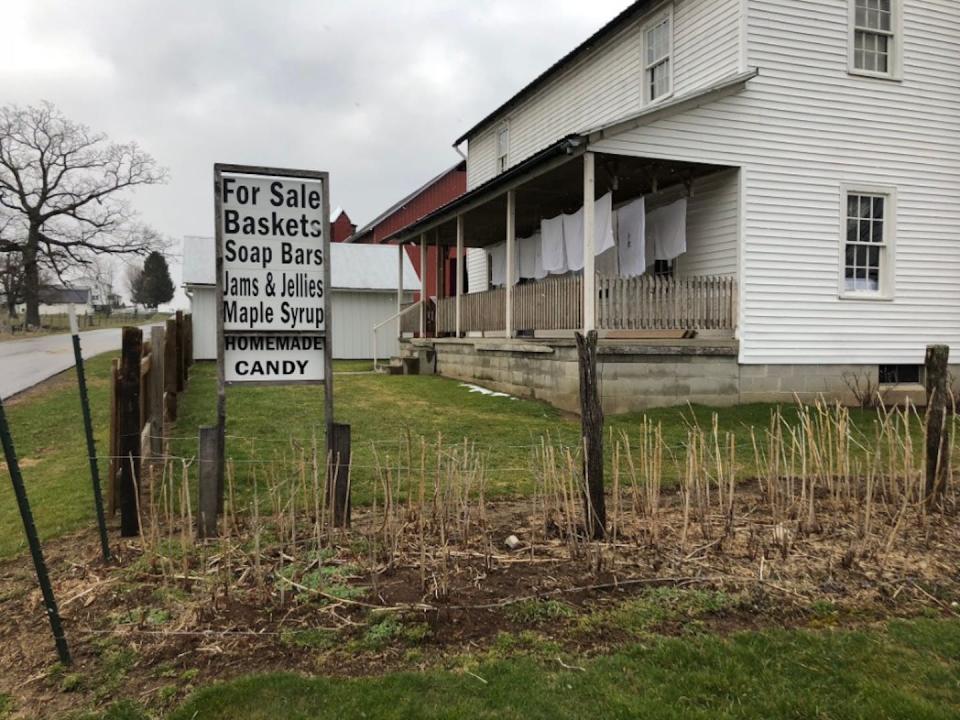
(47, 429)
(907, 669)
(262, 421)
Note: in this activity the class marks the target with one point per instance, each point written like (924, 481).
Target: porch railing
(654, 303)
(410, 321)
(640, 303)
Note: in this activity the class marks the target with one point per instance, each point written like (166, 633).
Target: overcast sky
(373, 92)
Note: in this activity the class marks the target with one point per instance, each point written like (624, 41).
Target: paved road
(24, 363)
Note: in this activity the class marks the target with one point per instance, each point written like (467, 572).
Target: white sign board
(273, 358)
(272, 254)
(272, 245)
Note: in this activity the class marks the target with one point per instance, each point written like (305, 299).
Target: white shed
(364, 293)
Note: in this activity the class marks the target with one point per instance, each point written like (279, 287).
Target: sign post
(273, 281)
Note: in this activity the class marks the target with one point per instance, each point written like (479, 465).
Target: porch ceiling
(560, 189)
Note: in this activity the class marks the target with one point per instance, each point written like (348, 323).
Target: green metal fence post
(41, 567)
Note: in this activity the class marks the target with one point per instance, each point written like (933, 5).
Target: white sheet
(603, 224)
(498, 264)
(631, 238)
(529, 248)
(667, 227)
(573, 239)
(552, 251)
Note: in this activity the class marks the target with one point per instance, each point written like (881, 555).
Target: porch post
(511, 243)
(423, 285)
(459, 283)
(589, 242)
(399, 289)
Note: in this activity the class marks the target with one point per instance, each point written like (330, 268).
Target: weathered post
(209, 495)
(157, 357)
(91, 445)
(591, 423)
(39, 564)
(938, 422)
(338, 475)
(170, 370)
(130, 446)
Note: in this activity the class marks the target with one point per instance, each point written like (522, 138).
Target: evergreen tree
(152, 285)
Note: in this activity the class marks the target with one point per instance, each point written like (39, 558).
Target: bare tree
(65, 185)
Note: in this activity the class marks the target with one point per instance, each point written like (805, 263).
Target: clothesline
(627, 242)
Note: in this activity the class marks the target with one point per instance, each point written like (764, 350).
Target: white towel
(667, 227)
(498, 264)
(552, 252)
(573, 239)
(606, 263)
(603, 224)
(631, 238)
(529, 249)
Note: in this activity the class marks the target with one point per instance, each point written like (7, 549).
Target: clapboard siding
(606, 84)
(802, 129)
(478, 277)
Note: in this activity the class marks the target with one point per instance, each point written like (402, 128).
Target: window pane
(865, 203)
(877, 231)
(850, 253)
(853, 202)
(878, 208)
(874, 257)
(851, 230)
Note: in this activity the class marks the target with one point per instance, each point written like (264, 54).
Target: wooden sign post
(273, 282)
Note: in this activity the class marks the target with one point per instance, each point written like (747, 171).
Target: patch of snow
(486, 391)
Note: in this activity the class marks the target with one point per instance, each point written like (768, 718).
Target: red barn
(447, 186)
(340, 226)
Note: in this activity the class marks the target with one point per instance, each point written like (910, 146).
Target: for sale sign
(272, 248)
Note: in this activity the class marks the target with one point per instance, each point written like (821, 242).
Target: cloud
(374, 92)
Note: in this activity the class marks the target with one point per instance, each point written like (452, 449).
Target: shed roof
(352, 267)
(58, 295)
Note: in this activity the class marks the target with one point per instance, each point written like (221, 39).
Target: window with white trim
(657, 54)
(873, 36)
(503, 148)
(867, 243)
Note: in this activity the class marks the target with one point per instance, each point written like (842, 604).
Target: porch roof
(548, 183)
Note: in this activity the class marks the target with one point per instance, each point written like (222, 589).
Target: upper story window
(868, 243)
(657, 54)
(875, 37)
(503, 148)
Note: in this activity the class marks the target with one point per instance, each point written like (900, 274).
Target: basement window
(900, 374)
(657, 52)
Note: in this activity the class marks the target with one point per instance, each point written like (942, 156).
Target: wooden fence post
(170, 370)
(938, 422)
(188, 341)
(130, 426)
(208, 493)
(338, 475)
(157, 334)
(113, 491)
(591, 423)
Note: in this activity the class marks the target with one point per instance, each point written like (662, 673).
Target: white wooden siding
(203, 308)
(478, 278)
(606, 84)
(354, 314)
(802, 129)
(712, 226)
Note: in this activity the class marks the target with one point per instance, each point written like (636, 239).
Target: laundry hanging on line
(667, 230)
(553, 254)
(631, 239)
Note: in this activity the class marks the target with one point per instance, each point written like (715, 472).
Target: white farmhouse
(747, 198)
(365, 293)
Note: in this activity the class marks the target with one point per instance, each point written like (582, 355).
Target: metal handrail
(379, 325)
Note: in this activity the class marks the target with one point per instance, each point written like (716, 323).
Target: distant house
(364, 293)
(384, 229)
(57, 299)
(341, 227)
